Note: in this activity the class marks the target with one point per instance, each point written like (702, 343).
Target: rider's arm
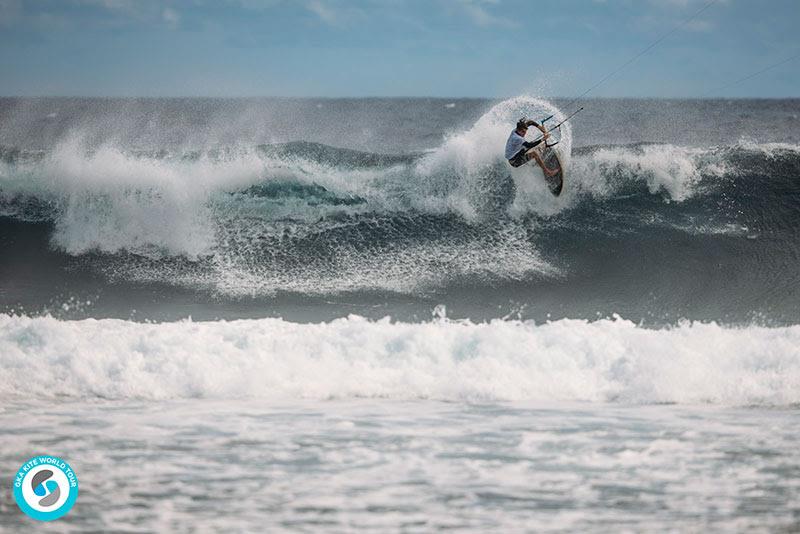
(531, 144)
(534, 123)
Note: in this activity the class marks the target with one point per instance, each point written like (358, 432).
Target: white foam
(768, 149)
(566, 360)
(663, 167)
(110, 200)
(671, 169)
(466, 159)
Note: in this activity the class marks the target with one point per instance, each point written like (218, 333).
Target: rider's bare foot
(549, 172)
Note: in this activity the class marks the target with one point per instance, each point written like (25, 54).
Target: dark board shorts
(520, 158)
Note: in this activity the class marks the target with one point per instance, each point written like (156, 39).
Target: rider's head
(522, 125)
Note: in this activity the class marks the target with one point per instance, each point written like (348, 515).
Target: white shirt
(514, 144)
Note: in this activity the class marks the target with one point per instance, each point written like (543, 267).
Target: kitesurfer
(519, 151)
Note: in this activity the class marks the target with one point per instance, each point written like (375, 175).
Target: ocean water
(353, 315)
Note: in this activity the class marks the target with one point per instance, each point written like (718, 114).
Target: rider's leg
(533, 153)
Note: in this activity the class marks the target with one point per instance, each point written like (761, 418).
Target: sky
(439, 48)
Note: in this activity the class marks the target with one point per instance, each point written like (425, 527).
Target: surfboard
(550, 158)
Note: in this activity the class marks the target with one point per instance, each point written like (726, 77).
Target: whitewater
(567, 360)
(353, 314)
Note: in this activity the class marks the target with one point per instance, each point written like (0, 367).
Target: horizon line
(392, 97)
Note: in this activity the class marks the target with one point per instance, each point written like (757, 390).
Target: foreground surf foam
(566, 360)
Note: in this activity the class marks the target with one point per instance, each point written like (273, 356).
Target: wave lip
(566, 360)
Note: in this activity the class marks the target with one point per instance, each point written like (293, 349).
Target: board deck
(550, 158)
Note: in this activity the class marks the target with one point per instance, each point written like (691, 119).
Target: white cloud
(475, 10)
(685, 3)
(124, 6)
(254, 5)
(325, 13)
(171, 17)
(338, 14)
(146, 11)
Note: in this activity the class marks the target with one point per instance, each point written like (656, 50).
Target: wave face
(567, 360)
(709, 232)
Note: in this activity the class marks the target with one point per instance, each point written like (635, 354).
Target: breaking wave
(566, 360)
(312, 218)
